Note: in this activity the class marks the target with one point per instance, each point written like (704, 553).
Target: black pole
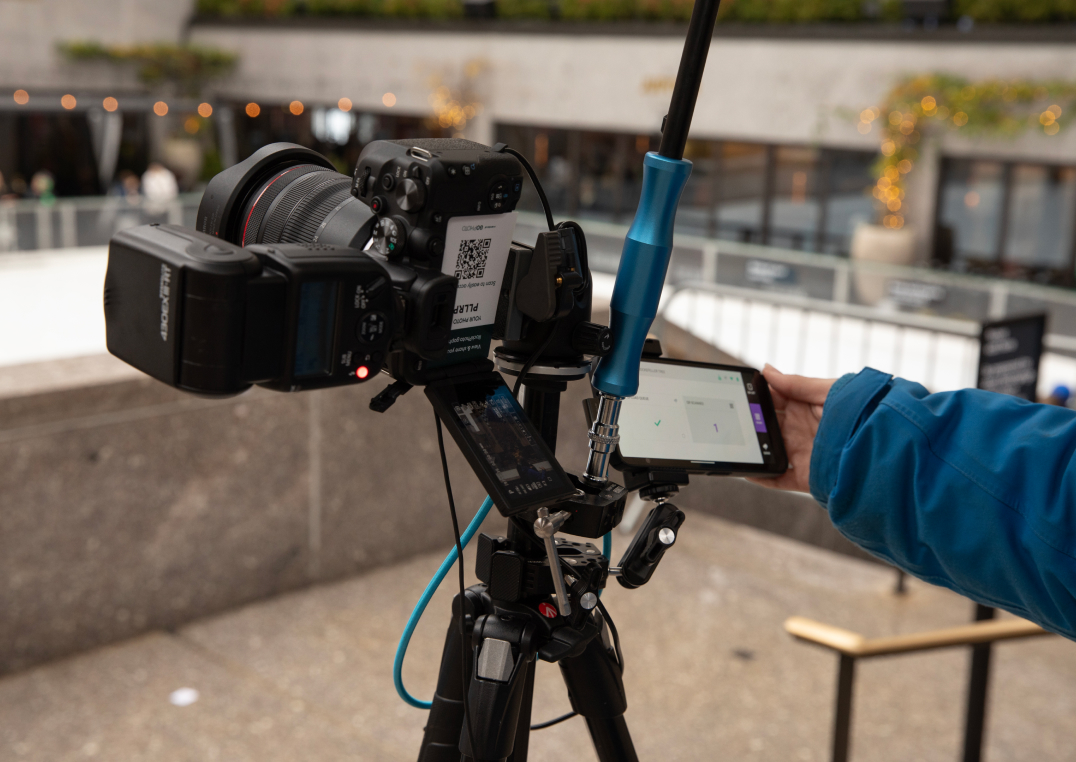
(978, 685)
(700, 32)
(842, 721)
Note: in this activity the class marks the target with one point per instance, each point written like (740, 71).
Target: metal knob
(545, 526)
(410, 195)
(592, 339)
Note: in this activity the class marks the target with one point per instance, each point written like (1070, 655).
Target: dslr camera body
(299, 277)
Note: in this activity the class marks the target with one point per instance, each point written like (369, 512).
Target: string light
(253, 109)
(205, 110)
(68, 102)
(388, 99)
(110, 104)
(22, 97)
(295, 107)
(344, 104)
(160, 108)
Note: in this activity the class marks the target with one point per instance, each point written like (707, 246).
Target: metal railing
(29, 225)
(823, 315)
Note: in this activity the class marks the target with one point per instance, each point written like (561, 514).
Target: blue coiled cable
(431, 588)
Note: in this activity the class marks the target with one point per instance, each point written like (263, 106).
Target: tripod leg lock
(655, 536)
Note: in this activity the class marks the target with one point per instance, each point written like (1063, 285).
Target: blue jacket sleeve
(970, 490)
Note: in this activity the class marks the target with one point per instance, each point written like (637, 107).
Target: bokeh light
(205, 110)
(295, 107)
(160, 108)
(253, 109)
(68, 102)
(388, 99)
(110, 104)
(22, 97)
(344, 104)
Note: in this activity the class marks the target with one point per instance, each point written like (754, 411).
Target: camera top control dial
(503, 191)
(389, 237)
(410, 195)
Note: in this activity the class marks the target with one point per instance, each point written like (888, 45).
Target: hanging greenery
(930, 103)
(187, 67)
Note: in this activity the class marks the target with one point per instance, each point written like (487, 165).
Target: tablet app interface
(703, 415)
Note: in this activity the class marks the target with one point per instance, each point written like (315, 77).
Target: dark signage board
(1009, 354)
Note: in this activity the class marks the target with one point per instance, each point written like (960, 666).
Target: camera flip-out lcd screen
(701, 417)
(501, 444)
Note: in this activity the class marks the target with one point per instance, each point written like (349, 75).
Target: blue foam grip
(641, 274)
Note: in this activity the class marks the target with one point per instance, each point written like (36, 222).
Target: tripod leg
(523, 727)
(441, 740)
(596, 690)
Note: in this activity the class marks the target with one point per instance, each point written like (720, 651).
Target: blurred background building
(873, 181)
(96, 91)
(804, 113)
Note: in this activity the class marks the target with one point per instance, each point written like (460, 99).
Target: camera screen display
(501, 444)
(314, 337)
(696, 414)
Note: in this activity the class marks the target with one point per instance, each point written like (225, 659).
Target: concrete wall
(31, 29)
(775, 90)
(127, 506)
(798, 91)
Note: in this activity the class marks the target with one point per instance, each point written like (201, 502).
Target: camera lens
(291, 206)
(284, 194)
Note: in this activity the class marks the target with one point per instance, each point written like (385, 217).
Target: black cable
(551, 723)
(463, 593)
(616, 635)
(534, 179)
(533, 359)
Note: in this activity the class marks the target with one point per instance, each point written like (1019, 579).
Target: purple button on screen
(756, 416)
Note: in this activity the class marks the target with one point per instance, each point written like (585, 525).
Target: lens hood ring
(221, 208)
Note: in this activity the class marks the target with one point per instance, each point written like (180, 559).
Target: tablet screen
(694, 413)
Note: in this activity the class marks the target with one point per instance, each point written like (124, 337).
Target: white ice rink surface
(50, 304)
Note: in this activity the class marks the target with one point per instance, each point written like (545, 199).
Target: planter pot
(874, 243)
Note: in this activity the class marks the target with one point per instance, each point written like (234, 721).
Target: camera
(299, 277)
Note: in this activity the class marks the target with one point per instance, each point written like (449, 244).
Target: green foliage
(991, 108)
(1016, 11)
(525, 9)
(735, 11)
(435, 9)
(188, 67)
(211, 165)
(791, 11)
(247, 7)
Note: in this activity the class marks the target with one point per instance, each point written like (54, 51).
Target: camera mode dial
(410, 195)
(390, 235)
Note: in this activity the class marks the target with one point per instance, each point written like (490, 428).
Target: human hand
(798, 400)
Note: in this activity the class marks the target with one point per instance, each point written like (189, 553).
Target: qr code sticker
(471, 261)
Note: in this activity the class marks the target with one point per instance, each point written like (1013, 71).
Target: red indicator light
(362, 372)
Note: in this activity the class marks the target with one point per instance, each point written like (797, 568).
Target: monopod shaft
(700, 32)
(648, 245)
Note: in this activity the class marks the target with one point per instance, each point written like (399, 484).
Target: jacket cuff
(849, 398)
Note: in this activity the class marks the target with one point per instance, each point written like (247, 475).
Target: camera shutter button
(410, 195)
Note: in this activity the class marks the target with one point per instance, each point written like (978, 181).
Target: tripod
(512, 622)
